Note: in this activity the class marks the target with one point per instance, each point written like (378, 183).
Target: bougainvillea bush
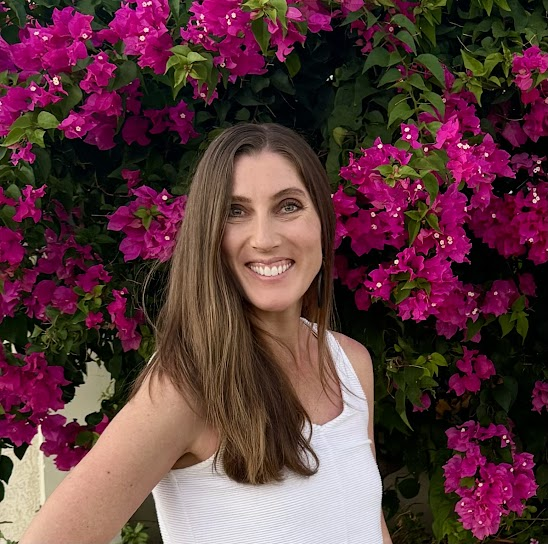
(432, 120)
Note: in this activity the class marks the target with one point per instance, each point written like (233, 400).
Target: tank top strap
(351, 388)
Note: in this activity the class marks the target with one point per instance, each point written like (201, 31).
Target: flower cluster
(31, 388)
(475, 367)
(127, 326)
(68, 443)
(488, 489)
(150, 223)
(540, 396)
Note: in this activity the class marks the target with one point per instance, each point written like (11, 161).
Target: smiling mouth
(275, 269)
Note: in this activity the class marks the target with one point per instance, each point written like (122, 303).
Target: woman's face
(272, 239)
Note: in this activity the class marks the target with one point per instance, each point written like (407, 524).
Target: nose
(264, 236)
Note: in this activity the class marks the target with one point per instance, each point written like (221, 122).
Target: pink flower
(26, 206)
(93, 276)
(127, 327)
(11, 250)
(65, 299)
(540, 396)
(93, 320)
(476, 367)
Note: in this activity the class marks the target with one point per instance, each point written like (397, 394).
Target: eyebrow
(279, 194)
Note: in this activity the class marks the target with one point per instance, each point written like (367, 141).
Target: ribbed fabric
(340, 504)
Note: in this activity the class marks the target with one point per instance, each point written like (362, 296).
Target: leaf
(18, 9)
(433, 64)
(281, 8)
(432, 220)
(413, 228)
(428, 29)
(407, 39)
(6, 468)
(432, 185)
(47, 120)
(13, 137)
(391, 75)
(400, 407)
(503, 4)
(506, 393)
(377, 57)
(473, 327)
(293, 64)
(399, 110)
(472, 64)
(124, 75)
(522, 325)
(352, 16)
(401, 20)
(436, 100)
(174, 8)
(417, 81)
(260, 31)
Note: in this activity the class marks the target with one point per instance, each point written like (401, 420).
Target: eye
(235, 211)
(290, 206)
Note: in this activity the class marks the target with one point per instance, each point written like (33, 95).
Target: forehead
(264, 174)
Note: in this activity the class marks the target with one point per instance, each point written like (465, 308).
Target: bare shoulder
(357, 353)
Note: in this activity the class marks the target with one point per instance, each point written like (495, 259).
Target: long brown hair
(208, 343)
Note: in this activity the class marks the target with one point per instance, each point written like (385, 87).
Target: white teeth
(270, 271)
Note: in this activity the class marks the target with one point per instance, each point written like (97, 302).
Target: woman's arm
(363, 366)
(135, 451)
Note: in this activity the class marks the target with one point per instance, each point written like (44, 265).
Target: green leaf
(522, 325)
(400, 407)
(398, 110)
(47, 120)
(281, 8)
(391, 75)
(407, 39)
(281, 81)
(352, 16)
(18, 9)
(339, 135)
(413, 228)
(124, 75)
(293, 64)
(36, 136)
(377, 57)
(473, 327)
(472, 64)
(436, 100)
(404, 22)
(260, 31)
(6, 468)
(428, 29)
(174, 8)
(24, 121)
(417, 81)
(487, 5)
(506, 393)
(432, 220)
(431, 184)
(506, 325)
(433, 64)
(503, 4)
(13, 137)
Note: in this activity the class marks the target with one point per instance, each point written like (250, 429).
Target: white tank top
(340, 504)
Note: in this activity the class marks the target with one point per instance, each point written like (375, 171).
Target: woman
(250, 424)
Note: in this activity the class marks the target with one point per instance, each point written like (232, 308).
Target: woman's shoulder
(360, 359)
(355, 351)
